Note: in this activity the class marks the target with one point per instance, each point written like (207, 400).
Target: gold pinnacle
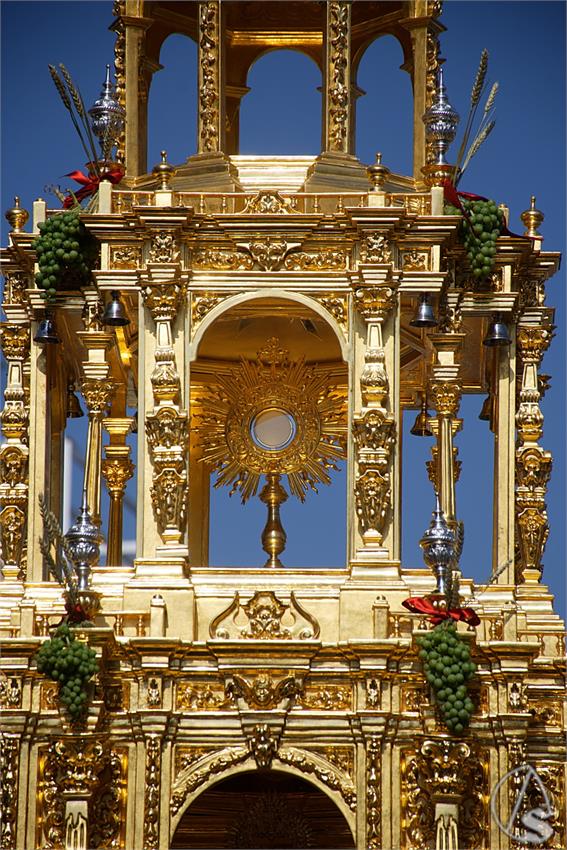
(532, 219)
(17, 216)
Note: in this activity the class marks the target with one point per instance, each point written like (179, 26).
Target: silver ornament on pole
(439, 546)
(107, 117)
(83, 539)
(441, 121)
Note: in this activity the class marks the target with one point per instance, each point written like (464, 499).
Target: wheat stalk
(491, 98)
(53, 530)
(480, 78)
(82, 113)
(64, 95)
(475, 597)
(482, 135)
(476, 94)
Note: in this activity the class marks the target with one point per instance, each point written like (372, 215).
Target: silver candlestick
(439, 550)
(441, 121)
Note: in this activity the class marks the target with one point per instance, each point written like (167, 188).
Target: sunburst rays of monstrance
(271, 417)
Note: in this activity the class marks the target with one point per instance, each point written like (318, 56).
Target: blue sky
(525, 155)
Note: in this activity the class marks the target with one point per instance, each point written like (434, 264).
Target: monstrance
(271, 417)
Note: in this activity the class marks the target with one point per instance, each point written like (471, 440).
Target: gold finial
(532, 219)
(164, 171)
(17, 216)
(378, 173)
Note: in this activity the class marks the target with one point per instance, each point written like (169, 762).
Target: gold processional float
(264, 335)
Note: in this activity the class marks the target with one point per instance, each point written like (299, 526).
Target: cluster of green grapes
(448, 667)
(71, 663)
(480, 232)
(66, 252)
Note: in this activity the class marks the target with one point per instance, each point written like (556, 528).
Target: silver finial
(441, 121)
(84, 542)
(107, 117)
(439, 549)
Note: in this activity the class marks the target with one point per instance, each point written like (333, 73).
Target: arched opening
(266, 809)
(172, 107)
(225, 532)
(281, 114)
(384, 113)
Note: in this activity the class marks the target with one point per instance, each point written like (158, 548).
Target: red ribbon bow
(422, 605)
(90, 184)
(453, 196)
(75, 613)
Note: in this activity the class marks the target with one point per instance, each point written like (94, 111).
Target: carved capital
(15, 341)
(98, 395)
(79, 763)
(163, 298)
(375, 302)
(117, 472)
(533, 343)
(445, 398)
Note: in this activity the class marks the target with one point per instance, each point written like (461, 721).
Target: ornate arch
(241, 298)
(212, 768)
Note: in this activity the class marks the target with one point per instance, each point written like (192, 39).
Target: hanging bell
(421, 425)
(46, 332)
(74, 409)
(485, 414)
(424, 315)
(497, 333)
(114, 313)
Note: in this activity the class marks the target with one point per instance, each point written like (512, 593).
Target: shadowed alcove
(266, 810)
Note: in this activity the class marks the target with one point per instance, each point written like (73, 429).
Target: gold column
(445, 396)
(210, 126)
(133, 83)
(98, 392)
(337, 101)
(533, 464)
(117, 469)
(374, 427)
(163, 290)
(424, 31)
(336, 168)
(14, 453)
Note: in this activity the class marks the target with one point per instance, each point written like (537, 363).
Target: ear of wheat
(82, 113)
(481, 137)
(478, 89)
(64, 95)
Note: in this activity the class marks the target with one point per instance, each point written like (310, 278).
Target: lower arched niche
(262, 809)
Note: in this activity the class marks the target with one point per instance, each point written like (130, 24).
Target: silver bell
(424, 315)
(497, 333)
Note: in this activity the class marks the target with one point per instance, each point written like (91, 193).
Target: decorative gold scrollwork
(265, 614)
